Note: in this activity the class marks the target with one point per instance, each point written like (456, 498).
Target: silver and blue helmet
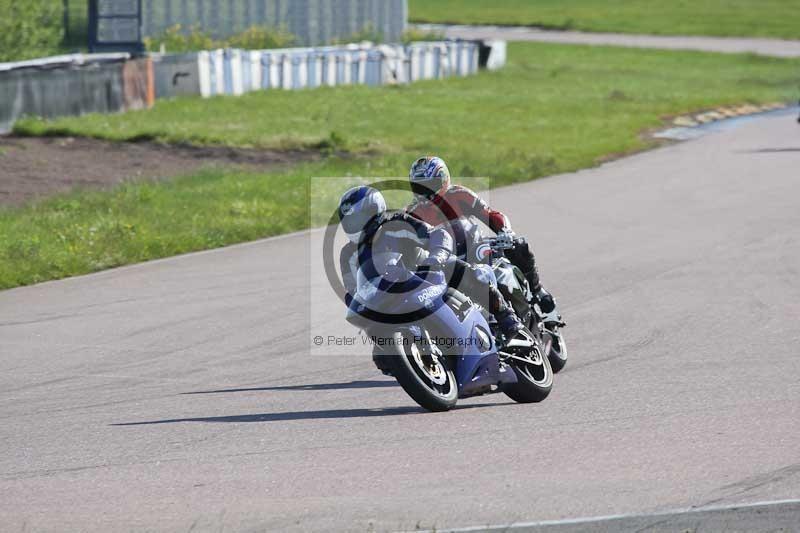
(357, 207)
(429, 176)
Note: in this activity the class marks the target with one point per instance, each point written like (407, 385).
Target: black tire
(534, 379)
(558, 351)
(433, 387)
(382, 360)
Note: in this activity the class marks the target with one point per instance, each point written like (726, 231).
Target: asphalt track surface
(762, 46)
(182, 394)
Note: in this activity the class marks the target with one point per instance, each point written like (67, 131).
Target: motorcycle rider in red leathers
(438, 202)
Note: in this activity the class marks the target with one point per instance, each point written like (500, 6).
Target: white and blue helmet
(429, 176)
(357, 207)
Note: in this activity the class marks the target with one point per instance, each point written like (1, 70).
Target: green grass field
(554, 108)
(752, 18)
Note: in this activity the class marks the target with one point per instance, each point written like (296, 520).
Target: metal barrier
(313, 22)
(176, 75)
(236, 72)
(77, 84)
(73, 85)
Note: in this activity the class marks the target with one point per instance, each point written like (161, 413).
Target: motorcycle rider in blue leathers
(376, 236)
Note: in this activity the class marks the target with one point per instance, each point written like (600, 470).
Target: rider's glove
(440, 252)
(432, 262)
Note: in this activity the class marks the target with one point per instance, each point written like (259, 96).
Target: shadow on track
(770, 150)
(313, 387)
(306, 415)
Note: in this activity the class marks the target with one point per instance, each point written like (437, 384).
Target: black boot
(548, 307)
(546, 301)
(508, 323)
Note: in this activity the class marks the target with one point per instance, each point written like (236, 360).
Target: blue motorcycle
(440, 346)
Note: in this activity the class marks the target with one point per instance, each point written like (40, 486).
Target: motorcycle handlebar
(498, 246)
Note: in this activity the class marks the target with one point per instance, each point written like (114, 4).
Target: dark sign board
(115, 26)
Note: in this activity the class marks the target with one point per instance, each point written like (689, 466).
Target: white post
(204, 70)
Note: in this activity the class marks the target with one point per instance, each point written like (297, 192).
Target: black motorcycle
(515, 288)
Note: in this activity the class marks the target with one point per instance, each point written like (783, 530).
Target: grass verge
(554, 108)
(751, 18)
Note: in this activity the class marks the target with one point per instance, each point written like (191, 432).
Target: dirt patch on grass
(32, 167)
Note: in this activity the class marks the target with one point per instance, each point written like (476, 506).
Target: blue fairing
(466, 338)
(477, 365)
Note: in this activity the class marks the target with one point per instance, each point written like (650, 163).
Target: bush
(367, 33)
(176, 39)
(261, 38)
(413, 34)
(30, 29)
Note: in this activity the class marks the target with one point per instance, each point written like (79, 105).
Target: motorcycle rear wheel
(558, 351)
(426, 379)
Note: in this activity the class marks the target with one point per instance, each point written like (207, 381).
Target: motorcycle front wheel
(534, 375)
(426, 378)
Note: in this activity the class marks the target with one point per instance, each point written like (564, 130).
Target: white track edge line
(605, 518)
